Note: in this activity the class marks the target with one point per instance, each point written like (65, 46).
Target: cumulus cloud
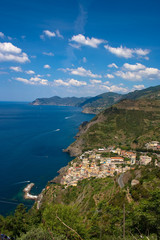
(70, 82)
(30, 72)
(115, 88)
(133, 67)
(47, 66)
(138, 72)
(109, 76)
(127, 52)
(82, 40)
(94, 81)
(112, 65)
(33, 81)
(9, 52)
(80, 71)
(138, 87)
(2, 35)
(24, 80)
(16, 69)
(49, 34)
(132, 76)
(48, 53)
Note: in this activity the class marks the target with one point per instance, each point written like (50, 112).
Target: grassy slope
(128, 123)
(100, 202)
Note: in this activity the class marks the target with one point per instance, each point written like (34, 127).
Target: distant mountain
(128, 124)
(89, 104)
(100, 102)
(58, 101)
(151, 92)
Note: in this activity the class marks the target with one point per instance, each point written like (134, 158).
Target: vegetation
(93, 210)
(99, 208)
(127, 124)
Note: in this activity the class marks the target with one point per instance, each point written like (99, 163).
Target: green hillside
(100, 102)
(130, 123)
(93, 210)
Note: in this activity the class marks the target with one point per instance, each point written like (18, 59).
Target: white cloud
(9, 52)
(133, 67)
(33, 81)
(95, 81)
(109, 76)
(112, 65)
(24, 80)
(48, 53)
(2, 35)
(49, 33)
(115, 88)
(84, 59)
(58, 34)
(138, 72)
(60, 82)
(16, 69)
(8, 47)
(127, 52)
(138, 87)
(70, 82)
(132, 76)
(80, 71)
(30, 72)
(77, 46)
(142, 52)
(92, 42)
(120, 51)
(106, 83)
(47, 66)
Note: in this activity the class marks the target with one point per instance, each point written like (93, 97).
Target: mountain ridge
(98, 103)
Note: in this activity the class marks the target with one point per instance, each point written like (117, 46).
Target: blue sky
(77, 47)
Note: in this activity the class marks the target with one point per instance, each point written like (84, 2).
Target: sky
(77, 47)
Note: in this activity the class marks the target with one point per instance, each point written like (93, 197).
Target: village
(104, 162)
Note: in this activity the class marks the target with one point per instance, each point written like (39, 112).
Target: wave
(67, 117)
(57, 130)
(14, 203)
(22, 182)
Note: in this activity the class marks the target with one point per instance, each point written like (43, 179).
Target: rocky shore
(27, 194)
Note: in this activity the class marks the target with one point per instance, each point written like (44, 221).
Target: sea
(31, 142)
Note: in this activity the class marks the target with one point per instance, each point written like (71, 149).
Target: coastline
(27, 190)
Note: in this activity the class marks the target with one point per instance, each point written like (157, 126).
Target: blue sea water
(31, 143)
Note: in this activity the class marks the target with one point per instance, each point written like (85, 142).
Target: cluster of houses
(154, 145)
(101, 163)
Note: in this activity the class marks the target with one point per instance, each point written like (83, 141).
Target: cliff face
(77, 147)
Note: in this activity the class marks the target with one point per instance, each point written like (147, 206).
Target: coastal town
(103, 162)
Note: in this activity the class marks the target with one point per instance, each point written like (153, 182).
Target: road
(120, 181)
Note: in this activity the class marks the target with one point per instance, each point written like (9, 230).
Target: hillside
(151, 92)
(100, 102)
(58, 101)
(93, 210)
(127, 123)
(97, 104)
